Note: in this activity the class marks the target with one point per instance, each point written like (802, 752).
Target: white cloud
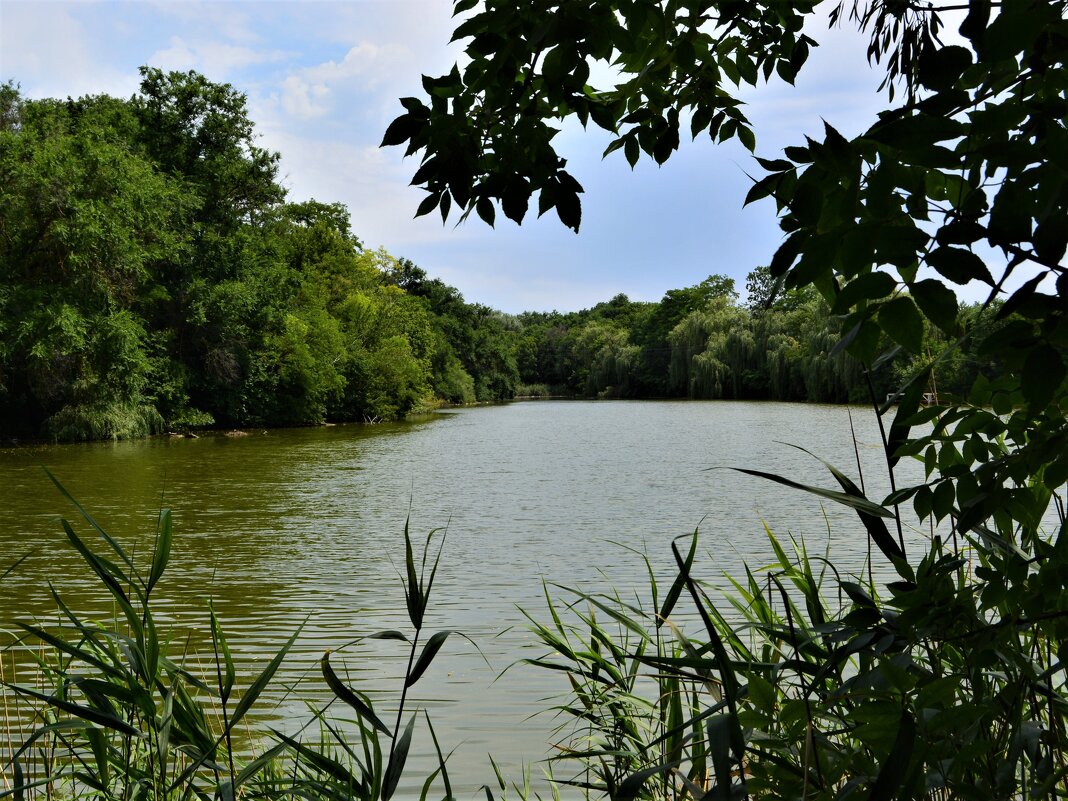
(304, 99)
(312, 92)
(224, 20)
(217, 60)
(372, 184)
(53, 54)
(367, 61)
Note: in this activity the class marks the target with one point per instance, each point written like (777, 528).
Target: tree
(962, 178)
(85, 221)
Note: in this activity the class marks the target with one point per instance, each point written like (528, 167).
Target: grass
(122, 712)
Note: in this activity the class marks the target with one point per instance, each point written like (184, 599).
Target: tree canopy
(153, 277)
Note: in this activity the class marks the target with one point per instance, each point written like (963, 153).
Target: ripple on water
(305, 527)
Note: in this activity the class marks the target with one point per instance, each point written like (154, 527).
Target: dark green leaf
(428, 204)
(959, 266)
(398, 756)
(1051, 239)
(515, 200)
(895, 769)
(400, 130)
(569, 209)
(747, 137)
(937, 302)
(901, 320)
(1043, 373)
(362, 707)
(430, 650)
(484, 207)
(869, 286)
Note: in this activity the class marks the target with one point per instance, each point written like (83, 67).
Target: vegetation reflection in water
(312, 518)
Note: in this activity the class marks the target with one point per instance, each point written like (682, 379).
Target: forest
(153, 278)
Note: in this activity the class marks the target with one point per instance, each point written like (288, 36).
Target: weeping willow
(828, 378)
(612, 370)
(103, 421)
(711, 350)
(725, 351)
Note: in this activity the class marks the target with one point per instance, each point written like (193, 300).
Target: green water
(287, 527)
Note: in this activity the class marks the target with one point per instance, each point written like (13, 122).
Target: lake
(285, 526)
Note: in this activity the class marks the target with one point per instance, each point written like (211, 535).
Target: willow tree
(960, 179)
(710, 348)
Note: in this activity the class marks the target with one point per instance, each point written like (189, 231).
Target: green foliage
(152, 277)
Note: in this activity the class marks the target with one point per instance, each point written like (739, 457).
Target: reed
(946, 681)
(118, 711)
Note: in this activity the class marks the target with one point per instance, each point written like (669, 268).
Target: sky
(323, 80)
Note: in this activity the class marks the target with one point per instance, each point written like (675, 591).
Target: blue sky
(323, 80)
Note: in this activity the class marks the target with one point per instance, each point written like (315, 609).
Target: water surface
(305, 526)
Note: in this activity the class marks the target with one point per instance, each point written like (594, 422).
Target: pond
(305, 526)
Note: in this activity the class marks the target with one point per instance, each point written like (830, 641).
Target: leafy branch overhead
(961, 179)
(487, 131)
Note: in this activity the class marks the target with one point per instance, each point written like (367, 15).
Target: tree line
(701, 342)
(153, 277)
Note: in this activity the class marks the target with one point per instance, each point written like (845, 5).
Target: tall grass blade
(19, 780)
(434, 569)
(162, 554)
(319, 761)
(64, 646)
(108, 721)
(723, 662)
(45, 731)
(112, 543)
(413, 594)
(838, 497)
(395, 767)
(363, 709)
(257, 687)
(106, 570)
(14, 566)
(719, 751)
(99, 745)
(677, 585)
(222, 648)
(441, 759)
(632, 785)
(874, 524)
(250, 770)
(392, 634)
(894, 770)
